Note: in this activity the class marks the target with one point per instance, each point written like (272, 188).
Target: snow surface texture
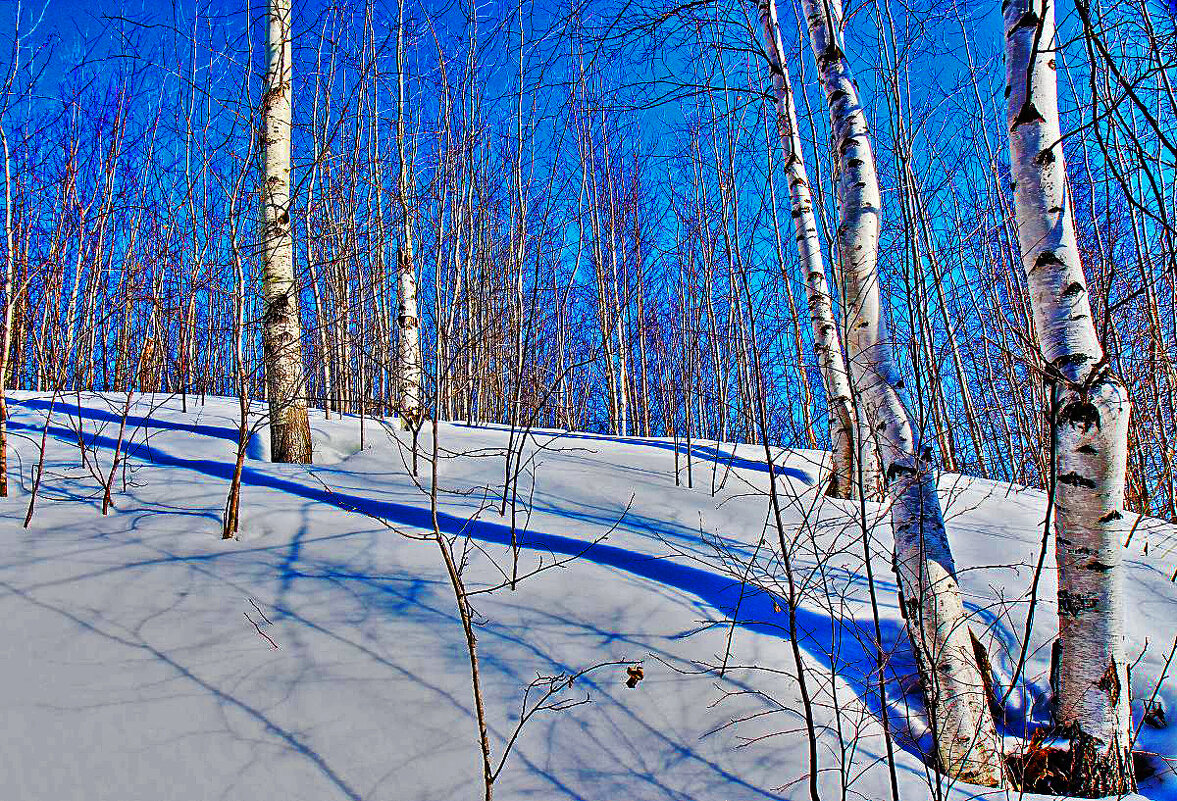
(140, 665)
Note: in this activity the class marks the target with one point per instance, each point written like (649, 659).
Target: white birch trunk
(965, 738)
(409, 360)
(1090, 425)
(409, 340)
(827, 344)
(290, 435)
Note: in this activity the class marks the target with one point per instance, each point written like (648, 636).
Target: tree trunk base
(1096, 772)
(290, 441)
(1086, 770)
(838, 487)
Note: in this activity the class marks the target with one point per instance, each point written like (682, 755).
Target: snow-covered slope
(140, 658)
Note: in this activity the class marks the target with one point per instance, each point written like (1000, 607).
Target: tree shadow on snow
(852, 642)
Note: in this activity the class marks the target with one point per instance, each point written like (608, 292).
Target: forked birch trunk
(827, 345)
(1090, 419)
(966, 742)
(290, 433)
(409, 361)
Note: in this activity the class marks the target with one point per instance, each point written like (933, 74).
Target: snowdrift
(320, 655)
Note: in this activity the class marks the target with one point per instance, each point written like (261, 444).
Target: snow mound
(320, 655)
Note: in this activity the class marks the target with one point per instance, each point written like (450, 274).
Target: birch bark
(1089, 424)
(409, 361)
(290, 434)
(966, 742)
(827, 345)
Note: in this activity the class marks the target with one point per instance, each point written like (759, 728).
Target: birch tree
(290, 433)
(966, 741)
(1088, 417)
(409, 362)
(6, 314)
(827, 344)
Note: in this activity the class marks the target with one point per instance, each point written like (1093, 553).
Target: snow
(139, 662)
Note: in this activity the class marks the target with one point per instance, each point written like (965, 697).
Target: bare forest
(839, 264)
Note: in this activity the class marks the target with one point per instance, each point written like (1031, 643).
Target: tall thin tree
(966, 742)
(290, 433)
(409, 361)
(1088, 417)
(827, 344)
(6, 313)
